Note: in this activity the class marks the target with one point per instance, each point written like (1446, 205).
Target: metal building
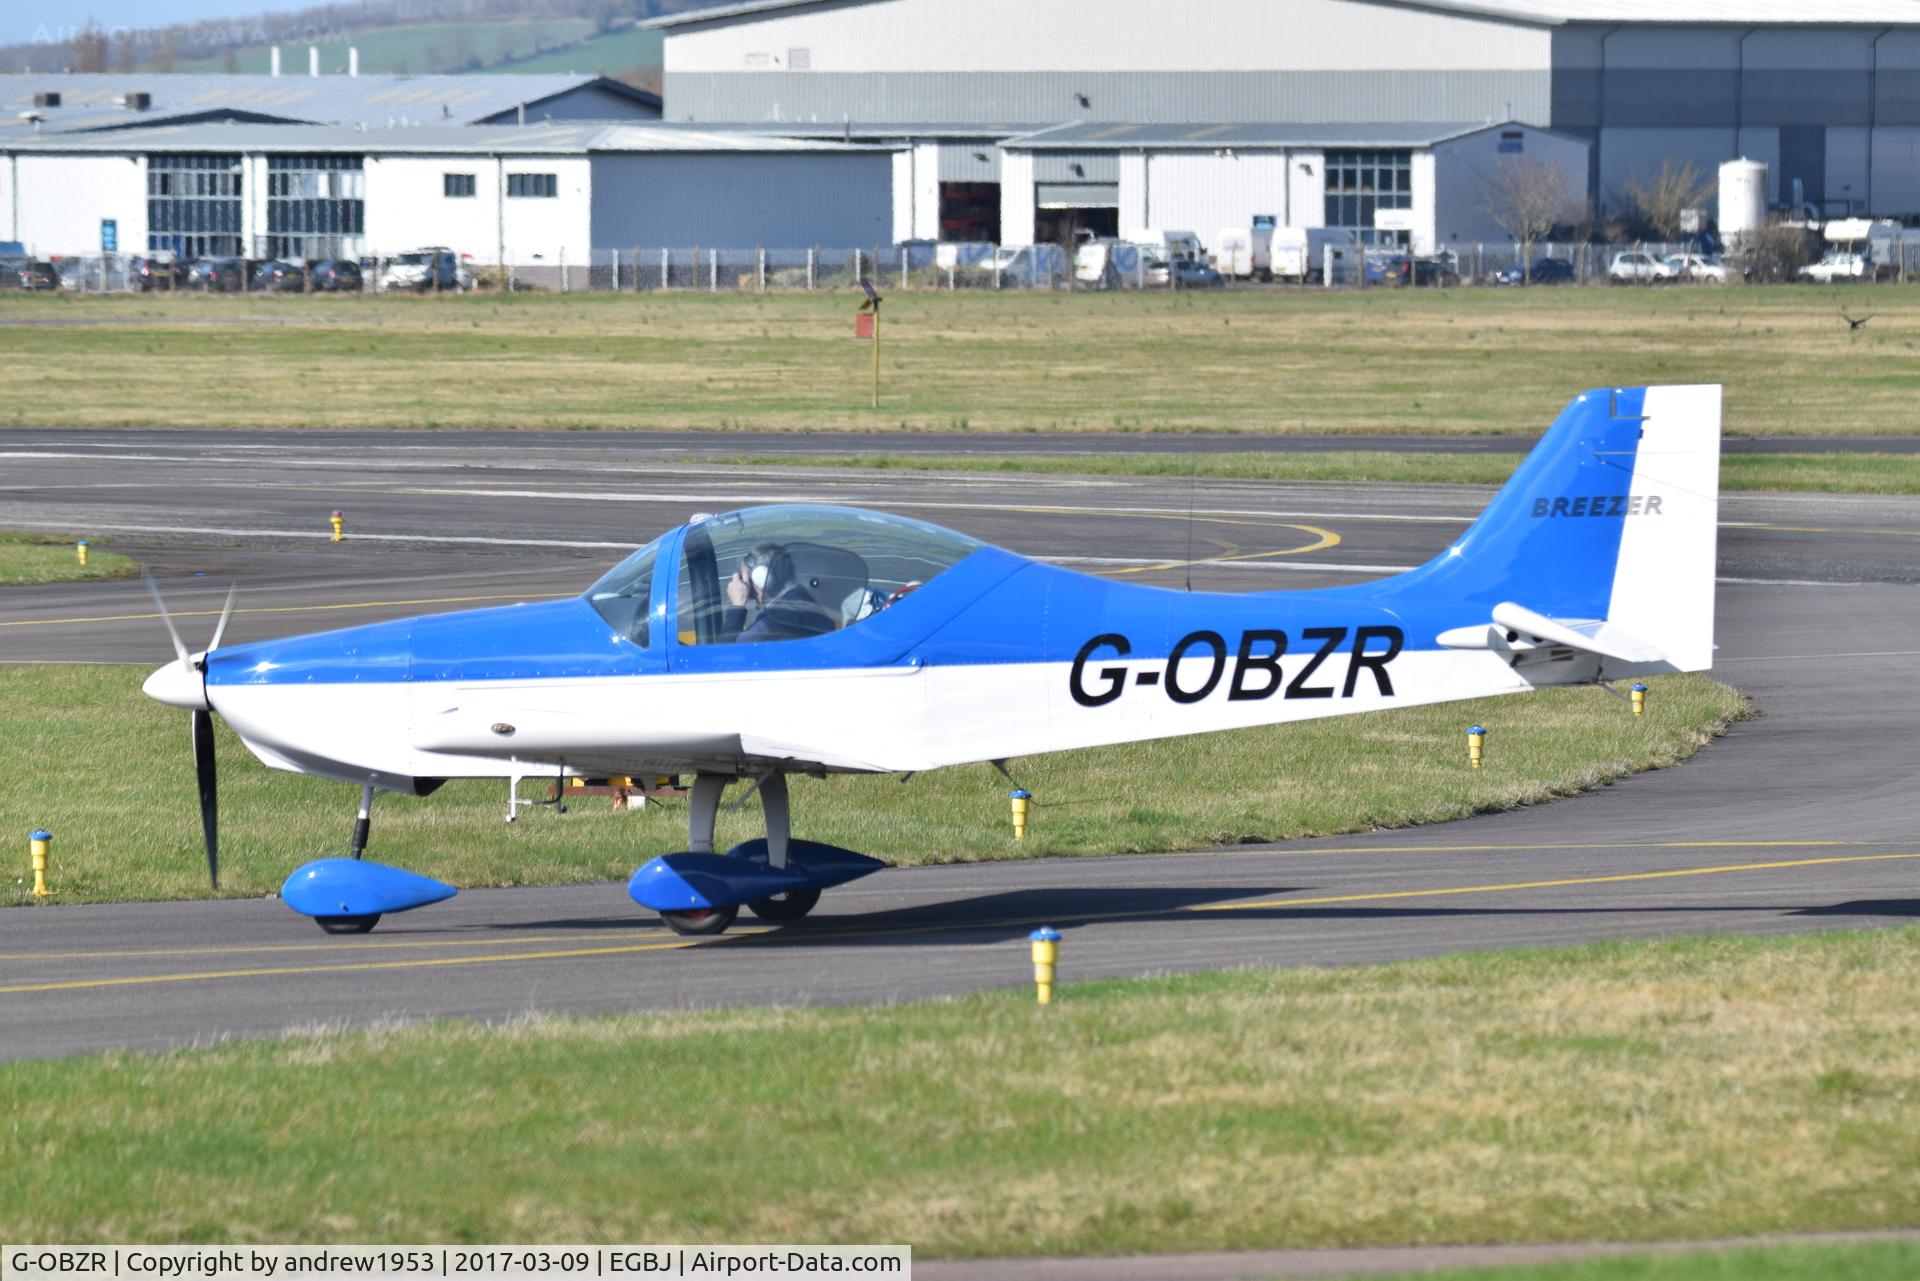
(1828, 93)
(496, 194)
(44, 103)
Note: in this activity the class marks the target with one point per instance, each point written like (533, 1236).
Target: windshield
(622, 594)
(798, 571)
(414, 260)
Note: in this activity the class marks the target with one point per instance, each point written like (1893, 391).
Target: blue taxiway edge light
(355, 887)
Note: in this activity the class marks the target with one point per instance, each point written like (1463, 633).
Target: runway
(1802, 819)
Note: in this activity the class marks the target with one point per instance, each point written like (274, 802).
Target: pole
(876, 356)
(665, 263)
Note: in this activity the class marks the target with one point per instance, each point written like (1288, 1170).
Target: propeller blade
(153, 589)
(220, 628)
(203, 775)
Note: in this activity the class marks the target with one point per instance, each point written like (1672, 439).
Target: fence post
(949, 278)
(996, 268)
(857, 272)
(713, 271)
(812, 250)
(762, 268)
(563, 269)
(903, 268)
(1326, 267)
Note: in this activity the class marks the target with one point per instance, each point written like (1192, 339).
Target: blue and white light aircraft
(820, 640)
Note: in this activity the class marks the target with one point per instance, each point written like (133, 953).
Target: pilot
(765, 578)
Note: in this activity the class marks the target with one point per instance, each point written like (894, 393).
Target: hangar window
(193, 203)
(316, 205)
(457, 184)
(797, 571)
(1361, 183)
(533, 184)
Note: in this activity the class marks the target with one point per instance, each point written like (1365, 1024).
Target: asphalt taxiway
(1806, 818)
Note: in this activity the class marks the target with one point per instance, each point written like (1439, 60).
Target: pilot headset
(757, 575)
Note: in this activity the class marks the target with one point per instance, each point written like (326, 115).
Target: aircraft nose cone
(177, 684)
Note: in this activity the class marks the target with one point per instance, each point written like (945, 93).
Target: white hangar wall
(54, 202)
(999, 61)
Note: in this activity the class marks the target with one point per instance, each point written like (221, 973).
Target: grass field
(1699, 1088)
(126, 827)
(1884, 1261)
(1429, 361)
(42, 558)
(1829, 472)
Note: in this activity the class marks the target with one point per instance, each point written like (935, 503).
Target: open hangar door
(970, 212)
(1064, 210)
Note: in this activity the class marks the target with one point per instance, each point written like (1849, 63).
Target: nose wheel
(347, 924)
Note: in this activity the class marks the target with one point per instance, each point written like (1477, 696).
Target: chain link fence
(926, 266)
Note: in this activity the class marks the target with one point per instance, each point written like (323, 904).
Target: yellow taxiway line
(827, 935)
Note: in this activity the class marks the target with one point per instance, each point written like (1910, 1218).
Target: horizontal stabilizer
(1517, 629)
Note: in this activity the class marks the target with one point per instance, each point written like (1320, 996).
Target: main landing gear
(778, 879)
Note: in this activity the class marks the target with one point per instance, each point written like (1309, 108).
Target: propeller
(202, 724)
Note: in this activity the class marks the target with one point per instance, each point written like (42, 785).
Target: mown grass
(109, 772)
(43, 558)
(1711, 1087)
(1874, 1261)
(1429, 361)
(1834, 473)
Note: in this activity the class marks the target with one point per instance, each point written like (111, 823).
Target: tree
(230, 61)
(90, 48)
(1664, 198)
(1527, 199)
(125, 59)
(169, 50)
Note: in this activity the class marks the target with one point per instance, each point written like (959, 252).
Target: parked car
(1423, 272)
(1545, 271)
(24, 273)
(336, 275)
(1702, 267)
(280, 276)
(1637, 267)
(1191, 273)
(157, 270)
(1840, 265)
(218, 275)
(423, 269)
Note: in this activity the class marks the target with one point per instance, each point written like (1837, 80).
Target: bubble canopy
(812, 569)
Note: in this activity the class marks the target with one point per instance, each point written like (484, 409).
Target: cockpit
(779, 573)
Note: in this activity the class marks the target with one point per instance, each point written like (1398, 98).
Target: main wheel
(347, 924)
(700, 920)
(790, 906)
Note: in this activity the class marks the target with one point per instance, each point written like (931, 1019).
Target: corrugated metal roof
(554, 139)
(1544, 12)
(1130, 137)
(92, 101)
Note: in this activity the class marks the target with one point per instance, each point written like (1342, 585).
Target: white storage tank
(1743, 197)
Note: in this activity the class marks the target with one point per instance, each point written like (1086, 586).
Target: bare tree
(1664, 197)
(90, 48)
(230, 61)
(168, 50)
(125, 58)
(1527, 199)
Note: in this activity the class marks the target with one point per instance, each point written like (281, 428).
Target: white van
(1244, 252)
(1288, 254)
